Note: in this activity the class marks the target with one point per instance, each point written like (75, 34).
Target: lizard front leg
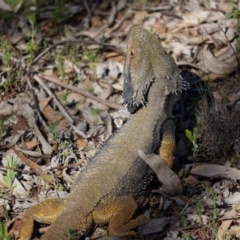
(118, 213)
(168, 143)
(44, 212)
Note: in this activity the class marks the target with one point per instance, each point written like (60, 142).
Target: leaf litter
(60, 98)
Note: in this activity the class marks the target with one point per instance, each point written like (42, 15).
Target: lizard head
(138, 72)
(147, 62)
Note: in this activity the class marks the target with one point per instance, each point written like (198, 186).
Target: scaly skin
(102, 192)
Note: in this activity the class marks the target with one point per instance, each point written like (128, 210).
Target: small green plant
(192, 137)
(63, 145)
(212, 195)
(233, 160)
(90, 56)
(6, 215)
(12, 3)
(70, 233)
(61, 13)
(199, 210)
(3, 232)
(184, 221)
(10, 176)
(60, 187)
(70, 52)
(186, 236)
(7, 48)
(52, 128)
(64, 97)
(235, 13)
(133, 2)
(64, 149)
(31, 45)
(60, 65)
(95, 112)
(2, 130)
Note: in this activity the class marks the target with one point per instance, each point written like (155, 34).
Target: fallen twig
(59, 105)
(36, 168)
(84, 93)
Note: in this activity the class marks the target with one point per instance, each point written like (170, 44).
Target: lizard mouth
(140, 96)
(134, 96)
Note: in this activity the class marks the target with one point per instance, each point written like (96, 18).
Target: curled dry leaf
(213, 64)
(213, 28)
(171, 182)
(216, 171)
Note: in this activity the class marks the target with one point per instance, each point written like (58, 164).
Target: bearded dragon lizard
(103, 192)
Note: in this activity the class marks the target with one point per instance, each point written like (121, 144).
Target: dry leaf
(30, 144)
(43, 102)
(213, 64)
(234, 231)
(18, 190)
(82, 142)
(223, 230)
(154, 226)
(233, 213)
(216, 171)
(196, 16)
(199, 220)
(233, 199)
(171, 182)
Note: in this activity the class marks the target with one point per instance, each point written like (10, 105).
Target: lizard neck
(145, 124)
(157, 98)
(155, 109)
